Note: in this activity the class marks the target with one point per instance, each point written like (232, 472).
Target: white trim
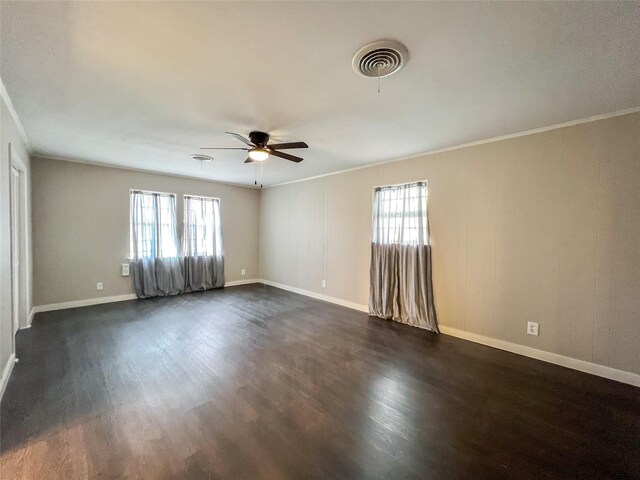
(571, 123)
(549, 357)
(16, 248)
(16, 161)
(14, 115)
(6, 374)
(83, 303)
(30, 319)
(100, 300)
(318, 296)
(235, 283)
(115, 298)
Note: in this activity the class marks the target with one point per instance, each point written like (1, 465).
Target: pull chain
(261, 174)
(255, 174)
(378, 78)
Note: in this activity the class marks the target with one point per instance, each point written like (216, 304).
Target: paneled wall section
(544, 227)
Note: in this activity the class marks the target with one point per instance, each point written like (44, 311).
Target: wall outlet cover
(532, 328)
(324, 284)
(99, 286)
(125, 269)
(243, 272)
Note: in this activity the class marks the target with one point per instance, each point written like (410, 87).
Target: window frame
(400, 184)
(184, 216)
(154, 192)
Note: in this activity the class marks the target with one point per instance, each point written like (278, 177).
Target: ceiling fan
(259, 149)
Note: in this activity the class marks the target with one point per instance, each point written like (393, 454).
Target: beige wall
(81, 227)
(544, 227)
(11, 147)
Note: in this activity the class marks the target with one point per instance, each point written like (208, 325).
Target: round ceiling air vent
(380, 59)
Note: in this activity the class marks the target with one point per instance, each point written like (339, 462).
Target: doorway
(16, 242)
(20, 245)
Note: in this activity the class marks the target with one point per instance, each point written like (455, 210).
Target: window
(153, 225)
(400, 214)
(202, 230)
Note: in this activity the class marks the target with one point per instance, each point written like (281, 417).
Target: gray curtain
(202, 244)
(203, 273)
(401, 285)
(157, 270)
(157, 277)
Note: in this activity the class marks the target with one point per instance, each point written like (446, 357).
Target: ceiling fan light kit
(258, 154)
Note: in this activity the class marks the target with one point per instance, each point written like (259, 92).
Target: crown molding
(14, 115)
(593, 118)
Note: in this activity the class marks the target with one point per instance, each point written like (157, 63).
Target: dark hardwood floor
(255, 382)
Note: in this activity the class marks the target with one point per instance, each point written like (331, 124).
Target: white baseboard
(235, 283)
(6, 374)
(115, 298)
(549, 357)
(319, 296)
(83, 303)
(573, 363)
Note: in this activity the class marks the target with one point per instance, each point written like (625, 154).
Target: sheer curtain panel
(401, 286)
(202, 244)
(157, 270)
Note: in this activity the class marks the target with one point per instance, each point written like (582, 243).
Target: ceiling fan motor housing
(259, 139)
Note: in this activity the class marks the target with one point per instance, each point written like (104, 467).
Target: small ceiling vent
(380, 59)
(201, 158)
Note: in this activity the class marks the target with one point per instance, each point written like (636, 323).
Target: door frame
(24, 248)
(15, 252)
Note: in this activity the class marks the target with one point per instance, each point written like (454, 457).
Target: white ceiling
(143, 85)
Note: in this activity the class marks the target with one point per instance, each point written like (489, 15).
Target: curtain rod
(202, 197)
(401, 185)
(149, 192)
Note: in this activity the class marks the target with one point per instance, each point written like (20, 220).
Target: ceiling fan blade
(284, 146)
(249, 160)
(286, 156)
(223, 148)
(241, 138)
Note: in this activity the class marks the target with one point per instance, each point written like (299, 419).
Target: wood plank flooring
(254, 382)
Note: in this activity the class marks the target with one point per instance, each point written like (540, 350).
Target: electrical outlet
(532, 328)
(243, 272)
(125, 269)
(324, 284)
(99, 286)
